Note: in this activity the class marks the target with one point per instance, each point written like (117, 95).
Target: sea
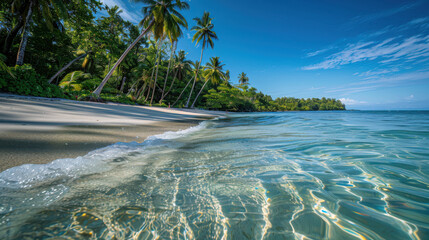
(290, 175)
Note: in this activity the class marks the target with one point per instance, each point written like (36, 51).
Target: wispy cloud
(389, 50)
(126, 14)
(315, 53)
(397, 78)
(382, 82)
(376, 73)
(383, 14)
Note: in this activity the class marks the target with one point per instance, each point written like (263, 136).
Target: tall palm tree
(181, 66)
(47, 8)
(243, 79)
(160, 16)
(204, 31)
(213, 73)
(158, 58)
(172, 30)
(174, 34)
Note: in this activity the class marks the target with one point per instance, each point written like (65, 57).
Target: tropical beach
(179, 119)
(40, 130)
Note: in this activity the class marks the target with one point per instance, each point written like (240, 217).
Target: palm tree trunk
(182, 92)
(140, 93)
(153, 70)
(192, 106)
(156, 77)
(24, 40)
(173, 50)
(65, 67)
(148, 94)
(123, 84)
(11, 36)
(196, 76)
(169, 89)
(131, 88)
(97, 91)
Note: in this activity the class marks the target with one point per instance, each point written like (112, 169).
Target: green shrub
(118, 98)
(91, 84)
(78, 80)
(28, 82)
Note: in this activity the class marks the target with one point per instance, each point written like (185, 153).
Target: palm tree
(213, 73)
(204, 31)
(194, 66)
(158, 58)
(68, 65)
(172, 24)
(174, 34)
(47, 8)
(243, 79)
(227, 78)
(160, 16)
(182, 66)
(113, 20)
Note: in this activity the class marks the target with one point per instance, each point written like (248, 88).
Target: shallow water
(297, 175)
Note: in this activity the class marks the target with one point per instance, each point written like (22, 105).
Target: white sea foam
(97, 161)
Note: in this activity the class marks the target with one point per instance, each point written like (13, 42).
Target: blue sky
(370, 54)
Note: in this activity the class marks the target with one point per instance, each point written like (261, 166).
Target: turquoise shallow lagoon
(294, 175)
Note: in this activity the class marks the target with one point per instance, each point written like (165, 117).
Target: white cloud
(389, 50)
(315, 53)
(126, 14)
(349, 101)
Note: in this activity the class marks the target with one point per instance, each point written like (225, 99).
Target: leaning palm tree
(204, 31)
(194, 66)
(160, 16)
(243, 79)
(213, 73)
(181, 66)
(82, 55)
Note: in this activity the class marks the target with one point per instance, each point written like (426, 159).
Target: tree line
(60, 48)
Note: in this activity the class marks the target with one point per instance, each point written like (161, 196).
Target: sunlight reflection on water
(319, 175)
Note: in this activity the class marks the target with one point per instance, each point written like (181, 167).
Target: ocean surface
(295, 175)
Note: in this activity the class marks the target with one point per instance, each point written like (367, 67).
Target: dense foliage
(23, 80)
(61, 49)
(242, 99)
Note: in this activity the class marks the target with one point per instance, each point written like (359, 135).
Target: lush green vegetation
(61, 49)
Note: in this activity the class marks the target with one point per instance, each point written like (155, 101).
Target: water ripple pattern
(295, 175)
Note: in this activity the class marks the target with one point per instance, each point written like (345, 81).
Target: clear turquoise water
(297, 175)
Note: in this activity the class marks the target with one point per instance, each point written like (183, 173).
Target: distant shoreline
(38, 130)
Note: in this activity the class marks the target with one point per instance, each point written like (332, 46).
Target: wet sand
(39, 130)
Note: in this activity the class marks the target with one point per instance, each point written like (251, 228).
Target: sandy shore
(40, 130)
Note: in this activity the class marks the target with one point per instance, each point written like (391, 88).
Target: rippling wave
(295, 175)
